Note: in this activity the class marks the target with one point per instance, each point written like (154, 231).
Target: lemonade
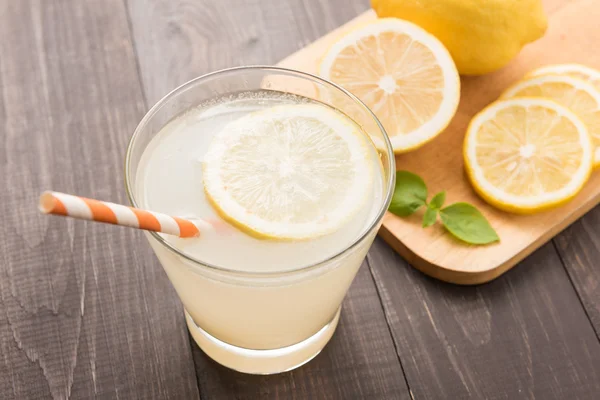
(255, 301)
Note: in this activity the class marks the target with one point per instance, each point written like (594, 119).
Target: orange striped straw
(103, 211)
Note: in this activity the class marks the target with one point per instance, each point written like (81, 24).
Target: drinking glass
(261, 322)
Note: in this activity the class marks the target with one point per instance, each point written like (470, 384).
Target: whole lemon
(481, 35)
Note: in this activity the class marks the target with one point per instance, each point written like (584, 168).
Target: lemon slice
(289, 172)
(573, 70)
(527, 154)
(404, 74)
(579, 96)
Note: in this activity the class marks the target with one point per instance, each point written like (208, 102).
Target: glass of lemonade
(291, 175)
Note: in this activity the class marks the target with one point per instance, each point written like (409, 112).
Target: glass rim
(305, 75)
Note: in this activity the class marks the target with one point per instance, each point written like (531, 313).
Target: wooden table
(86, 310)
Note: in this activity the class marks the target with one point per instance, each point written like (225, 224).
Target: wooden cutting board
(573, 36)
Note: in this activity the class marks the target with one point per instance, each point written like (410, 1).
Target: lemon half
(404, 74)
(527, 154)
(289, 172)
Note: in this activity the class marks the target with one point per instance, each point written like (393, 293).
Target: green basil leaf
(438, 200)
(410, 194)
(466, 223)
(430, 217)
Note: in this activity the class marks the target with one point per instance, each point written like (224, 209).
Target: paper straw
(103, 211)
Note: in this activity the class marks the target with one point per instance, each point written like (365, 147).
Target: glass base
(262, 362)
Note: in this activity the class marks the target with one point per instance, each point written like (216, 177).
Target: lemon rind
(563, 69)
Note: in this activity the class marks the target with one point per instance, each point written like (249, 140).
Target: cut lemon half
(527, 154)
(404, 74)
(289, 172)
(579, 96)
(573, 70)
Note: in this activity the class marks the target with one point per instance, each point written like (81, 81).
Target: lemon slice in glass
(525, 155)
(289, 172)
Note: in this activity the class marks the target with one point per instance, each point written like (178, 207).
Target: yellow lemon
(525, 155)
(482, 35)
(404, 74)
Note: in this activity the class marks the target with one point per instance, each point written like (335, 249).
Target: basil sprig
(462, 220)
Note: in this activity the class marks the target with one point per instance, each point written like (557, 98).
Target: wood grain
(523, 336)
(579, 247)
(573, 31)
(179, 40)
(85, 310)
